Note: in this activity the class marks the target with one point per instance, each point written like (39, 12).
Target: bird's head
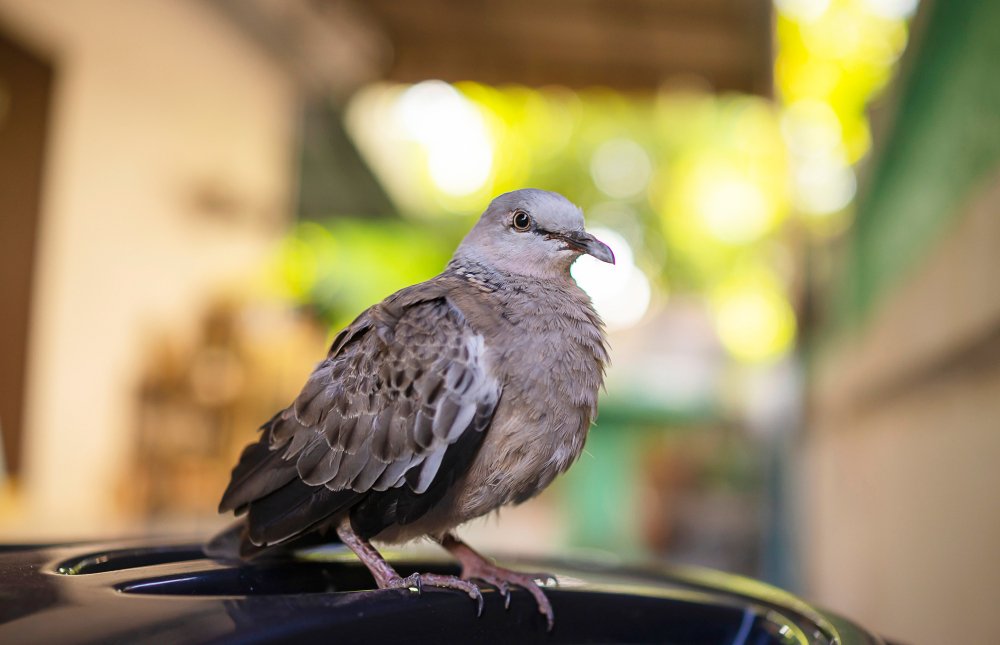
(531, 232)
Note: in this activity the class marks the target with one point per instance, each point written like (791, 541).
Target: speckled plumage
(447, 400)
(546, 347)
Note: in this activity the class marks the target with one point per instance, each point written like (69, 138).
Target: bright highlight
(453, 133)
(754, 321)
(620, 292)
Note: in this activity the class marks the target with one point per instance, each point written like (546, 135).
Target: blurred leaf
(340, 268)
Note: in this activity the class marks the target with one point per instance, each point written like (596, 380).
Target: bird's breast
(549, 355)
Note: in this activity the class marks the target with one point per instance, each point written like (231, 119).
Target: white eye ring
(521, 221)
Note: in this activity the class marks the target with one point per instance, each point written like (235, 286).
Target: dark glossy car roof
(168, 592)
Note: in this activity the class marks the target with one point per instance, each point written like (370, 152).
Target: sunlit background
(802, 196)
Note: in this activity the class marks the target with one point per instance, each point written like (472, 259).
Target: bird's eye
(522, 221)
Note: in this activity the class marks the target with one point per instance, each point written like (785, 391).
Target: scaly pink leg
(387, 578)
(477, 567)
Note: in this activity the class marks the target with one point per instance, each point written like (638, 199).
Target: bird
(446, 401)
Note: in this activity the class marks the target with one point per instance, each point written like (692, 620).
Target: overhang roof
(624, 44)
(629, 45)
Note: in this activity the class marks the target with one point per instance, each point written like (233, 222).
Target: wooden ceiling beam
(626, 44)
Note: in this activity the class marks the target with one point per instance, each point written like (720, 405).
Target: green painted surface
(944, 141)
(601, 489)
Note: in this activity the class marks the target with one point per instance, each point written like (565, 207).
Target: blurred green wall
(940, 140)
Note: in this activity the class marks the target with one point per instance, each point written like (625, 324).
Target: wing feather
(402, 384)
(392, 474)
(422, 481)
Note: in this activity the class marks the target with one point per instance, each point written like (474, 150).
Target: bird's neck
(493, 278)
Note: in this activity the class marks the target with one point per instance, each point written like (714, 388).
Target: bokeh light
(701, 184)
(753, 318)
(823, 185)
(621, 292)
(732, 207)
(805, 10)
(453, 134)
(621, 168)
(892, 9)
(833, 57)
(810, 126)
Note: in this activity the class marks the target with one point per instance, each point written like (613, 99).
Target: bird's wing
(401, 387)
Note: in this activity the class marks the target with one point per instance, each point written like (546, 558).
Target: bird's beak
(586, 243)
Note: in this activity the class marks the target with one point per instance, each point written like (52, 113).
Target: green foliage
(340, 267)
(700, 186)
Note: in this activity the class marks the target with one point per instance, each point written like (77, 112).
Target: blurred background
(805, 319)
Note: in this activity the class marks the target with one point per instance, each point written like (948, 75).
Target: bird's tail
(233, 544)
(229, 544)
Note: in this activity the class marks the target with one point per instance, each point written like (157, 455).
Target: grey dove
(446, 401)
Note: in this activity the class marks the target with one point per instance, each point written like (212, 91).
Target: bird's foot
(419, 580)
(387, 578)
(477, 567)
(503, 579)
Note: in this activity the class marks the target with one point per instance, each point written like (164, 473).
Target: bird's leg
(475, 566)
(387, 578)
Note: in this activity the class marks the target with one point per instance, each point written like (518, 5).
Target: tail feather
(294, 509)
(259, 472)
(226, 545)
(232, 545)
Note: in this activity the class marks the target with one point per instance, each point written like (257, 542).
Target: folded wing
(388, 422)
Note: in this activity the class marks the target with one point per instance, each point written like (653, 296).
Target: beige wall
(901, 485)
(168, 175)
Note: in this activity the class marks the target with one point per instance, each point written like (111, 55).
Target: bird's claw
(503, 579)
(501, 586)
(504, 590)
(419, 580)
